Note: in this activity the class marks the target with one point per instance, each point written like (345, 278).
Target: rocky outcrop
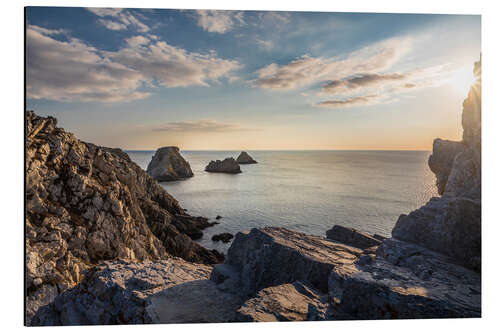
(352, 237)
(164, 291)
(451, 224)
(85, 204)
(272, 256)
(228, 165)
(244, 158)
(167, 164)
(404, 280)
(225, 237)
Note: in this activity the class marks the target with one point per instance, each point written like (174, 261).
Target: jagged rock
(218, 217)
(229, 165)
(448, 225)
(286, 302)
(225, 237)
(165, 291)
(192, 226)
(167, 164)
(441, 160)
(351, 237)
(272, 256)
(244, 158)
(405, 281)
(85, 204)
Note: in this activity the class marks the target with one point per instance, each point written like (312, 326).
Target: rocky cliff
(451, 224)
(167, 164)
(85, 204)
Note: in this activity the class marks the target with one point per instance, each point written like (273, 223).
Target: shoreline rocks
(167, 164)
(225, 237)
(244, 158)
(228, 165)
(352, 237)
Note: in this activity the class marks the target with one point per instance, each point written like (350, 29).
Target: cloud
(172, 66)
(361, 81)
(352, 101)
(276, 18)
(202, 126)
(72, 70)
(265, 44)
(219, 21)
(307, 70)
(112, 25)
(119, 19)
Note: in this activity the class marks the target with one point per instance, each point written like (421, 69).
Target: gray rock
(441, 160)
(85, 204)
(244, 158)
(286, 302)
(228, 165)
(225, 237)
(352, 237)
(165, 291)
(405, 281)
(449, 225)
(167, 164)
(272, 256)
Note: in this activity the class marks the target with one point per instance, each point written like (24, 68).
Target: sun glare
(462, 79)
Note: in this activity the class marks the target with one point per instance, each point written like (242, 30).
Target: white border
(12, 158)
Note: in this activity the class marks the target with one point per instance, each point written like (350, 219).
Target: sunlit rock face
(451, 224)
(167, 164)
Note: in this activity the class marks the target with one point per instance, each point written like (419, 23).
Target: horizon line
(225, 150)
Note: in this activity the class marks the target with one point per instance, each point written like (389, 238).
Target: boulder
(85, 204)
(272, 256)
(244, 158)
(404, 280)
(448, 225)
(164, 291)
(225, 237)
(228, 165)
(167, 164)
(352, 237)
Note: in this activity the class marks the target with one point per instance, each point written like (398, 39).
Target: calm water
(308, 191)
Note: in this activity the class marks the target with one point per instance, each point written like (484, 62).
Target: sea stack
(229, 165)
(244, 158)
(167, 164)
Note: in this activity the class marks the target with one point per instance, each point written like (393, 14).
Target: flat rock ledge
(245, 158)
(228, 165)
(351, 236)
(167, 164)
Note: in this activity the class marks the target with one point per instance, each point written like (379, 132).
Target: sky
(233, 80)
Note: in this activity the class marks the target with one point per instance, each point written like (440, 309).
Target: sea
(307, 191)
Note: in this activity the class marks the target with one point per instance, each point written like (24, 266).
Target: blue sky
(143, 78)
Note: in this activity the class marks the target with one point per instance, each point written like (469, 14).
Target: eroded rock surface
(164, 291)
(85, 204)
(244, 158)
(167, 164)
(352, 237)
(228, 165)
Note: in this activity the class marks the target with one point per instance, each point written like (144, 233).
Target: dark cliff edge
(86, 204)
(430, 268)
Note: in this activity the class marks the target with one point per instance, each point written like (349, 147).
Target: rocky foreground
(86, 204)
(429, 268)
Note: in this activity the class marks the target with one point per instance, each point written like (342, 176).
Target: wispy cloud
(202, 126)
(307, 70)
(265, 44)
(353, 101)
(72, 70)
(119, 19)
(219, 21)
